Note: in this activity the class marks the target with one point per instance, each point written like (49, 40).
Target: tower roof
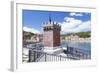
(51, 24)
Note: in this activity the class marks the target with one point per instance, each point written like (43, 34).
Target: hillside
(80, 34)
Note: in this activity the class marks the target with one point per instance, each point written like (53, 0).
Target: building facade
(51, 35)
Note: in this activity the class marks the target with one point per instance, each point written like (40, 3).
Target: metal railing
(38, 55)
(78, 53)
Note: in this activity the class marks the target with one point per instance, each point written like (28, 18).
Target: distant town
(80, 36)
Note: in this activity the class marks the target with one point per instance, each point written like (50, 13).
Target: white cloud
(74, 25)
(32, 30)
(76, 14)
(85, 26)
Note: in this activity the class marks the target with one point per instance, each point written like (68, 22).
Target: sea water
(84, 46)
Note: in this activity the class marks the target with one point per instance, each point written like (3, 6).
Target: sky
(71, 22)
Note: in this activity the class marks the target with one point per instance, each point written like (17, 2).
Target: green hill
(80, 34)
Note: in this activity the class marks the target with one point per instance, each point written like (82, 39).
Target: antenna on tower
(50, 19)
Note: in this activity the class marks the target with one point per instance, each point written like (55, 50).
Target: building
(72, 38)
(35, 38)
(51, 35)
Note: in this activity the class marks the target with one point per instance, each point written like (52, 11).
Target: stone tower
(51, 35)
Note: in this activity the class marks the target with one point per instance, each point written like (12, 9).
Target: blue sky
(69, 21)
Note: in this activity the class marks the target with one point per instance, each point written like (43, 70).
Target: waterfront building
(35, 38)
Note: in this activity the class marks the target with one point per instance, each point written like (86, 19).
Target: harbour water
(83, 46)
